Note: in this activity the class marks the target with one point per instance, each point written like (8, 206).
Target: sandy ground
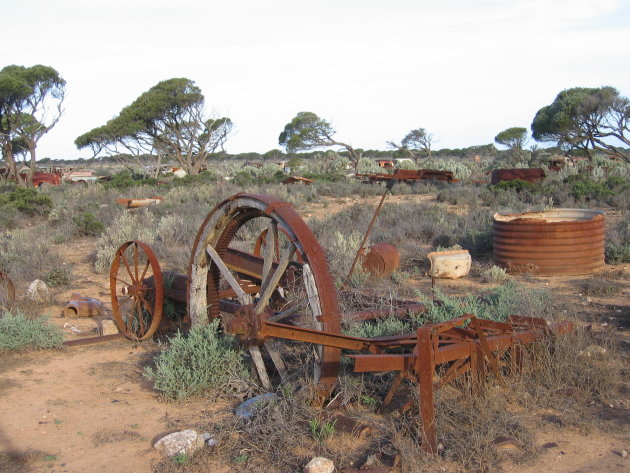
(89, 409)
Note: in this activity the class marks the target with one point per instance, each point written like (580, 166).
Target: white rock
(185, 441)
(38, 291)
(319, 465)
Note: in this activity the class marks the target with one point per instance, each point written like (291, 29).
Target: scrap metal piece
(312, 291)
(381, 260)
(7, 291)
(136, 307)
(82, 306)
(135, 203)
(526, 174)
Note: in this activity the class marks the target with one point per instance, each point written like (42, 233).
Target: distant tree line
(169, 123)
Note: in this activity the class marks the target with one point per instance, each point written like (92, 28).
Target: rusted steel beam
(301, 334)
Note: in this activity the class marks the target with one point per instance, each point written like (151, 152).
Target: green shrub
(618, 243)
(381, 328)
(126, 179)
(87, 224)
(26, 200)
(507, 299)
(18, 332)
(515, 184)
(202, 361)
(58, 277)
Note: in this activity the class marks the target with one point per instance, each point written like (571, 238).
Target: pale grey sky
(462, 69)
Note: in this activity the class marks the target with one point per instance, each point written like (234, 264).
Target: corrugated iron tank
(555, 242)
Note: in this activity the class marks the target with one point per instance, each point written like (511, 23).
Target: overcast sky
(462, 69)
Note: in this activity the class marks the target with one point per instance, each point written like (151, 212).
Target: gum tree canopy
(514, 138)
(307, 131)
(169, 120)
(30, 106)
(414, 143)
(586, 119)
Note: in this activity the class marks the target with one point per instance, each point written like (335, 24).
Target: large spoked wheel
(7, 291)
(290, 281)
(136, 306)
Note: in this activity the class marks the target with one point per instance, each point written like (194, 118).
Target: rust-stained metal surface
(409, 175)
(222, 281)
(555, 242)
(82, 306)
(7, 291)
(525, 174)
(135, 203)
(381, 260)
(298, 180)
(136, 307)
(207, 276)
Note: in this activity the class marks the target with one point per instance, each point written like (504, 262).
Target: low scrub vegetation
(200, 362)
(18, 332)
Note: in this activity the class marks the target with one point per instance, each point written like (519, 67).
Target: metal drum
(381, 260)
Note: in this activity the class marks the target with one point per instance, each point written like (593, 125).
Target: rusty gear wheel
(7, 291)
(293, 285)
(137, 308)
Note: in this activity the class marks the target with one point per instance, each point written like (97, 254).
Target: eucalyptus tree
(31, 101)
(307, 131)
(415, 143)
(586, 119)
(168, 120)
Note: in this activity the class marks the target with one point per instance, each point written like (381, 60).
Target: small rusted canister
(381, 260)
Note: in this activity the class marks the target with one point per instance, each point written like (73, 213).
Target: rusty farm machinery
(257, 267)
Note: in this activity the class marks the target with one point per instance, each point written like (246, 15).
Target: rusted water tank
(555, 242)
(381, 260)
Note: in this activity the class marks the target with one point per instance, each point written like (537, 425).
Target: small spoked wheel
(136, 305)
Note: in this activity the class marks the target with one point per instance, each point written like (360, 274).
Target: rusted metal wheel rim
(218, 231)
(137, 309)
(7, 291)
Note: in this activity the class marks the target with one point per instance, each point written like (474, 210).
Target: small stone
(624, 454)
(38, 291)
(108, 327)
(319, 465)
(179, 443)
(208, 440)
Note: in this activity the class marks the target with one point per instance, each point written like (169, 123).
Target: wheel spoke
(287, 313)
(126, 263)
(254, 351)
(269, 285)
(123, 281)
(268, 252)
(144, 271)
(229, 277)
(135, 260)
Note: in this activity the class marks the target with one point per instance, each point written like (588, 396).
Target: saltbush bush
(201, 361)
(25, 200)
(19, 332)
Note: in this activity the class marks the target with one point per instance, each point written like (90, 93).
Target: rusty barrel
(381, 260)
(554, 242)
